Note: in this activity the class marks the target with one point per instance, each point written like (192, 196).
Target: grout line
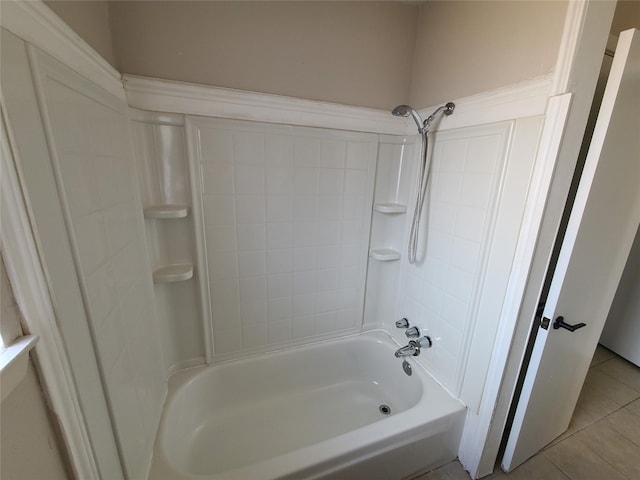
(602, 459)
(569, 477)
(616, 378)
(595, 453)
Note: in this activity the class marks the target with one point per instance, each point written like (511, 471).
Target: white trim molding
(188, 98)
(32, 294)
(14, 360)
(569, 44)
(520, 100)
(36, 24)
(506, 103)
(477, 427)
(584, 17)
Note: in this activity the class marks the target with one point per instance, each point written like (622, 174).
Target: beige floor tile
(634, 407)
(455, 471)
(601, 354)
(589, 410)
(576, 460)
(621, 370)
(438, 474)
(497, 475)
(536, 468)
(626, 424)
(613, 447)
(601, 385)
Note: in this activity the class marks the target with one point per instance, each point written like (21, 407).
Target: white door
(601, 229)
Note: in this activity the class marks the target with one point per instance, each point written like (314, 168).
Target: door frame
(585, 34)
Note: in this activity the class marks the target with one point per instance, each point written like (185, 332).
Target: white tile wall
(97, 179)
(440, 292)
(286, 214)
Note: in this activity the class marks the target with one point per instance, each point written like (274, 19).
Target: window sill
(14, 360)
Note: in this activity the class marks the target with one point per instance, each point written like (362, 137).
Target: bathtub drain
(385, 409)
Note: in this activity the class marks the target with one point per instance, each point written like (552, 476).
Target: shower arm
(446, 109)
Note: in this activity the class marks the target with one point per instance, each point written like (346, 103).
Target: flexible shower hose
(423, 181)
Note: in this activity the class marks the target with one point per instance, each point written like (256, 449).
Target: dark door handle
(559, 322)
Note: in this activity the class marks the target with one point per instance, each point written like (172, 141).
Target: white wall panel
(32, 156)
(285, 216)
(440, 293)
(163, 177)
(89, 145)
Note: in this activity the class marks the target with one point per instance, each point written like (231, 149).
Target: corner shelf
(173, 273)
(166, 211)
(390, 207)
(384, 254)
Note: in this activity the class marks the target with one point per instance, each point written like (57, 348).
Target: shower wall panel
(161, 158)
(95, 176)
(441, 291)
(286, 216)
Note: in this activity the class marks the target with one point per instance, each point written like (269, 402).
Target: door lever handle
(559, 322)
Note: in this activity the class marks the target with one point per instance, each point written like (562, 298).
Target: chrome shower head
(405, 111)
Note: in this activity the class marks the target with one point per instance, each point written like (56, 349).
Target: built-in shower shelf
(173, 273)
(166, 211)
(390, 207)
(384, 254)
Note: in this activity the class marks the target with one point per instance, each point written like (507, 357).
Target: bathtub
(339, 409)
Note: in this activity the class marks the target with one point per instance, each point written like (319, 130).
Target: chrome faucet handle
(402, 323)
(412, 332)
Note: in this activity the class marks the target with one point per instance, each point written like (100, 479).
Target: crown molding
(520, 100)
(187, 98)
(35, 23)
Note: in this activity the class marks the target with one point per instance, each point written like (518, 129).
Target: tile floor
(603, 439)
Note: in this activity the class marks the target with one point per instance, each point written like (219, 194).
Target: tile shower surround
(286, 215)
(105, 224)
(442, 287)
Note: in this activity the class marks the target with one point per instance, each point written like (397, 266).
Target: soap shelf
(390, 207)
(384, 254)
(166, 211)
(173, 273)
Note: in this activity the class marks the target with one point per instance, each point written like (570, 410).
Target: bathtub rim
(414, 424)
(176, 379)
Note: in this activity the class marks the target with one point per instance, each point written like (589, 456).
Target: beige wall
(627, 16)
(468, 47)
(29, 445)
(90, 20)
(357, 53)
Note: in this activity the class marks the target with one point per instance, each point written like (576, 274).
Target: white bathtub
(307, 412)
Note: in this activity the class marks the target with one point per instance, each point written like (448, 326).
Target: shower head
(405, 111)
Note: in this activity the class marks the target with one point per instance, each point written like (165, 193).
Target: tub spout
(414, 346)
(407, 350)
